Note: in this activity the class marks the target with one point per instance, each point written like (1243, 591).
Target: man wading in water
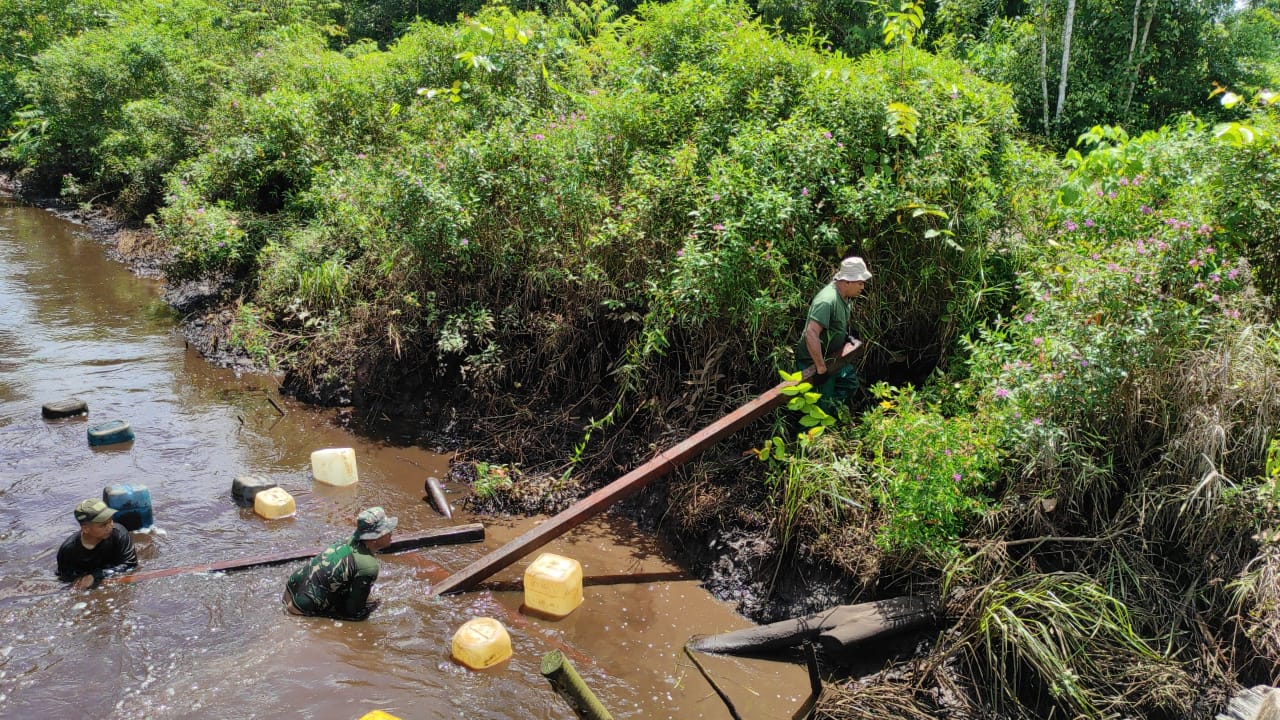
(336, 583)
(101, 548)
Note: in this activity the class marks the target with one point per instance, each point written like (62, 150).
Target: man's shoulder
(69, 545)
(828, 294)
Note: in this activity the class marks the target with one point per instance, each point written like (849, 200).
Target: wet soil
(734, 552)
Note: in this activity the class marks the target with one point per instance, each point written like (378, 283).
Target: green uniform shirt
(335, 583)
(830, 311)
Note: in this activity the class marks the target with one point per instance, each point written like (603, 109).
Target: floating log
(835, 628)
(569, 685)
(436, 493)
(1261, 702)
(599, 580)
(473, 532)
(625, 486)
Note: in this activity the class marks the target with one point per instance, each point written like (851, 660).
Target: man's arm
(67, 566)
(813, 343)
(355, 602)
(124, 558)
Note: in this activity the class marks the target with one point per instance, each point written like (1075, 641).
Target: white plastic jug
(334, 466)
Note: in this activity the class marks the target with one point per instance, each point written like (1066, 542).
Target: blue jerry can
(132, 504)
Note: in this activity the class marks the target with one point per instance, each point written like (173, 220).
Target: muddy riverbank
(704, 513)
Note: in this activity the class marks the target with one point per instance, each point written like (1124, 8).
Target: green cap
(93, 511)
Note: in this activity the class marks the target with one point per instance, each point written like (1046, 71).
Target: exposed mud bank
(721, 540)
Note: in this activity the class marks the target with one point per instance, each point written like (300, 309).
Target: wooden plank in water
(471, 532)
(625, 486)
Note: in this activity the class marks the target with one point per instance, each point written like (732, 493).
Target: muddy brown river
(75, 324)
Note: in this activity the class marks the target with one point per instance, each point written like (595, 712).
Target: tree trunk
(1066, 60)
(1044, 60)
(1142, 47)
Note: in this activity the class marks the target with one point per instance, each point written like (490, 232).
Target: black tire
(70, 407)
(110, 433)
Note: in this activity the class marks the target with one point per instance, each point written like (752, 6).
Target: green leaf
(1070, 193)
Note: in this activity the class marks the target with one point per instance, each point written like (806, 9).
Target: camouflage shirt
(336, 583)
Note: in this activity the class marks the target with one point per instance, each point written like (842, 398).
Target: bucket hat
(853, 269)
(373, 523)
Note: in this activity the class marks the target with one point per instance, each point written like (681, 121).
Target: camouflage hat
(373, 523)
(93, 511)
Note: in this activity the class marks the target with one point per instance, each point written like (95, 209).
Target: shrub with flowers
(931, 475)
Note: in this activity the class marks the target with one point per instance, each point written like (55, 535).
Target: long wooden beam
(471, 532)
(661, 464)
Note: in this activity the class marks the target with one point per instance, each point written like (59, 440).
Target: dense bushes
(563, 222)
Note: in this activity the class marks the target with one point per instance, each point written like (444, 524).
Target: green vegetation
(592, 228)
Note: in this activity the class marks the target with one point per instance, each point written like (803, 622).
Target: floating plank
(644, 578)
(625, 486)
(472, 532)
(835, 628)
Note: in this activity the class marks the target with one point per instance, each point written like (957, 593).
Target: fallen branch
(835, 628)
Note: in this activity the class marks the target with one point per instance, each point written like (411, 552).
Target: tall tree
(1135, 60)
(1067, 22)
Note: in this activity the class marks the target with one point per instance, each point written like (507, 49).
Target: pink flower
(827, 135)
(539, 136)
(1070, 226)
(1146, 210)
(1038, 341)
(718, 227)
(804, 192)
(1002, 393)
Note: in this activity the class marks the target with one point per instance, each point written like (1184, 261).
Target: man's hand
(367, 610)
(83, 582)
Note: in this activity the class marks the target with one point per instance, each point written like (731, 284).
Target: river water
(75, 324)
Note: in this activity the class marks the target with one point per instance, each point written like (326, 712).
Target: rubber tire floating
(110, 433)
(64, 409)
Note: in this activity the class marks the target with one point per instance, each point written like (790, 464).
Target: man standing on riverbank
(99, 549)
(826, 332)
(336, 583)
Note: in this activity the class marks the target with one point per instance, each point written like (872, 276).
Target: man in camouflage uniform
(336, 583)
